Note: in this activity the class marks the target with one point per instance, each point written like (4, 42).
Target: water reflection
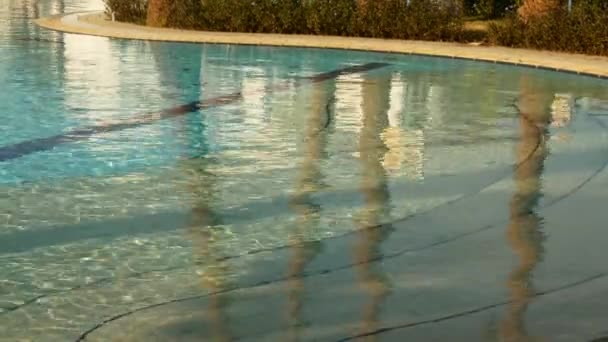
(373, 185)
(205, 232)
(308, 181)
(562, 109)
(525, 229)
(404, 142)
(206, 229)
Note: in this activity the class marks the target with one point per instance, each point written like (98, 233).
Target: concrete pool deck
(96, 23)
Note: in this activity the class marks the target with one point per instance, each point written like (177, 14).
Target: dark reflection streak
(309, 181)
(35, 299)
(348, 70)
(36, 10)
(61, 6)
(376, 197)
(41, 40)
(328, 106)
(600, 339)
(44, 144)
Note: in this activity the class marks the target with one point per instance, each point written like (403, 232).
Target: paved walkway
(95, 23)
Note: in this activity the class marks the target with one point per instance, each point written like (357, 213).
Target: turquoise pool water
(134, 174)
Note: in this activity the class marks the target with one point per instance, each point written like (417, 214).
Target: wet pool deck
(412, 280)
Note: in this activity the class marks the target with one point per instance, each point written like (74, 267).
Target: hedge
(584, 30)
(422, 19)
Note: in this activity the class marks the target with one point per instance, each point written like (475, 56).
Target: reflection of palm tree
(376, 195)
(180, 79)
(204, 234)
(308, 182)
(178, 76)
(204, 228)
(524, 231)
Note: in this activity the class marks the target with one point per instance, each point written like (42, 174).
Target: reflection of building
(561, 109)
(435, 106)
(348, 103)
(375, 106)
(92, 81)
(404, 143)
(392, 134)
(107, 82)
(254, 128)
(405, 154)
(254, 116)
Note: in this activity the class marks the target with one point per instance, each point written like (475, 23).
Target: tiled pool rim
(96, 24)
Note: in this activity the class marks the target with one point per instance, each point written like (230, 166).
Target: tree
(158, 13)
(182, 14)
(536, 8)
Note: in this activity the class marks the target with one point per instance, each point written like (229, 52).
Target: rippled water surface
(136, 174)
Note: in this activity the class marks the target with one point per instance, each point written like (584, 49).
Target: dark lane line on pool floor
(28, 147)
(39, 40)
(535, 295)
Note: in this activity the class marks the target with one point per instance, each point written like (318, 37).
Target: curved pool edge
(95, 23)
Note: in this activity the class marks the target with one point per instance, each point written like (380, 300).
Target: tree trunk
(158, 13)
(361, 6)
(536, 8)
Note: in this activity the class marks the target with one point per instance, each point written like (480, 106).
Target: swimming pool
(137, 178)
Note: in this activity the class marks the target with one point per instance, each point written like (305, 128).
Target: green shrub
(430, 20)
(335, 17)
(128, 11)
(423, 19)
(584, 30)
(491, 9)
(185, 14)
